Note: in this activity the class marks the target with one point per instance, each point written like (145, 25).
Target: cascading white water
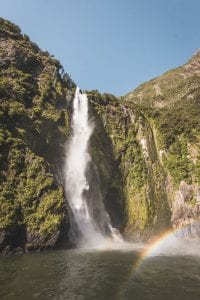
(87, 232)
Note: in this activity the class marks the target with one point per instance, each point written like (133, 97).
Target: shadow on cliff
(108, 174)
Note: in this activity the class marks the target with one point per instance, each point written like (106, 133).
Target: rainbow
(153, 245)
(161, 242)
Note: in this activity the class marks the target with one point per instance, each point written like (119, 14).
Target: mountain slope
(33, 128)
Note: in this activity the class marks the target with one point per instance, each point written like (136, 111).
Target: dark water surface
(75, 274)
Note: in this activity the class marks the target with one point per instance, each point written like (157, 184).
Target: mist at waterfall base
(90, 223)
(101, 275)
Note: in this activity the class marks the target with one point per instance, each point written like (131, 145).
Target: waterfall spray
(85, 230)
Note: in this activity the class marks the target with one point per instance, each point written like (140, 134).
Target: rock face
(34, 124)
(145, 149)
(173, 114)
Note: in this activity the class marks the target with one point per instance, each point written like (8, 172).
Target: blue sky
(111, 45)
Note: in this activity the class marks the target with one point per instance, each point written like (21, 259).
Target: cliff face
(129, 166)
(154, 134)
(34, 124)
(171, 104)
(145, 149)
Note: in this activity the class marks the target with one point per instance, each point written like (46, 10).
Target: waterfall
(86, 230)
